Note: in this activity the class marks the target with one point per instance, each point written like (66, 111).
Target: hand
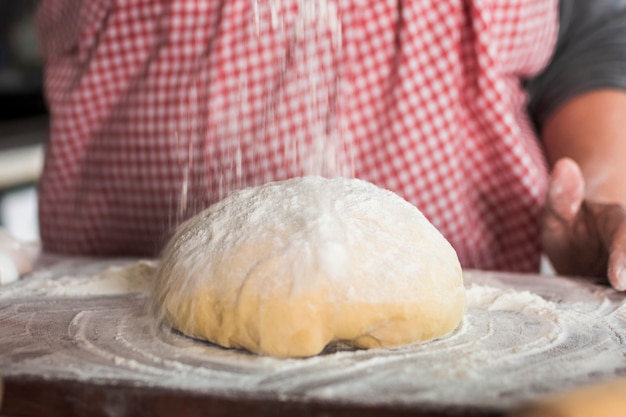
(16, 258)
(582, 237)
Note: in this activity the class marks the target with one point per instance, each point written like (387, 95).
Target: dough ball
(287, 268)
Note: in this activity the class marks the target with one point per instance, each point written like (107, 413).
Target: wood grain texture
(28, 396)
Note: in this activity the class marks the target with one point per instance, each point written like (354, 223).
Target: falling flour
(523, 336)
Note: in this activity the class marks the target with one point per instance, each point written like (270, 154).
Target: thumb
(566, 192)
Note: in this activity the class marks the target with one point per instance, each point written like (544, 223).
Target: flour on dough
(287, 268)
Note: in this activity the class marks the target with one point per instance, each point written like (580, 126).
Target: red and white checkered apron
(160, 107)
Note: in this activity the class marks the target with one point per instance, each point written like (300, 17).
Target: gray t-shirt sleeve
(590, 54)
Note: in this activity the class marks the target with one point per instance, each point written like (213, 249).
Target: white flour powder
(523, 336)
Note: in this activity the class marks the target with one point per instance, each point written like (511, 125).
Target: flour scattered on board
(84, 277)
(522, 337)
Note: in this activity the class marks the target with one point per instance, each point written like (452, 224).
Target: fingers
(8, 269)
(613, 233)
(563, 202)
(566, 191)
(617, 267)
(583, 237)
(16, 258)
(609, 224)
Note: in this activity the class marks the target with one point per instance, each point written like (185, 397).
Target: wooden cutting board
(100, 352)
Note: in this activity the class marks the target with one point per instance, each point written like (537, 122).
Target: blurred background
(23, 119)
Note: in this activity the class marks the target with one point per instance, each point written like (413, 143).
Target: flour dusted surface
(288, 267)
(523, 336)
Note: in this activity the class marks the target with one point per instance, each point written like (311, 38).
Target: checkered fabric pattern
(161, 107)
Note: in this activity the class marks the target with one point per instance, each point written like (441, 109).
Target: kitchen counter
(21, 151)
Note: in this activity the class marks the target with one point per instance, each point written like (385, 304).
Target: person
(160, 108)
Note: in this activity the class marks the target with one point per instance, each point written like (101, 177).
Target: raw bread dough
(286, 268)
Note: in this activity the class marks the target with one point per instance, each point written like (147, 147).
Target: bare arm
(578, 104)
(591, 129)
